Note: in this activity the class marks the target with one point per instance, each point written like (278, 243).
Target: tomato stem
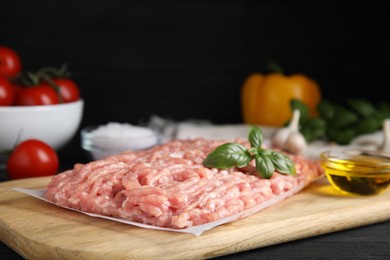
(48, 70)
(53, 85)
(63, 71)
(34, 79)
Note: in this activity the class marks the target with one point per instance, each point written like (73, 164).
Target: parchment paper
(195, 230)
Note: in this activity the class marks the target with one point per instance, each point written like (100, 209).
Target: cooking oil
(357, 172)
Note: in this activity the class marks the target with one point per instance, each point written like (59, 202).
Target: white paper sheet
(195, 230)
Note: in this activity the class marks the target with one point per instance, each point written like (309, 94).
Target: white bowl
(53, 124)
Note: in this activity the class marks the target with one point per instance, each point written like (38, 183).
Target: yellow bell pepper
(265, 99)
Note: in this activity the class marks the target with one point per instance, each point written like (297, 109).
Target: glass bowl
(357, 172)
(101, 141)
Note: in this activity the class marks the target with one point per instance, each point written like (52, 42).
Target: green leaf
(343, 117)
(255, 137)
(264, 164)
(326, 110)
(227, 156)
(314, 129)
(369, 125)
(341, 136)
(361, 106)
(384, 108)
(314, 123)
(282, 163)
(312, 135)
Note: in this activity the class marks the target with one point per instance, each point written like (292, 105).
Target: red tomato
(10, 64)
(69, 90)
(42, 94)
(32, 158)
(7, 92)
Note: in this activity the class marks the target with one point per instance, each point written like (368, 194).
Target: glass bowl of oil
(357, 172)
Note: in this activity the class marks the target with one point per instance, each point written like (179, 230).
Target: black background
(188, 59)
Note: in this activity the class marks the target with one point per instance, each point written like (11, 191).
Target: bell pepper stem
(274, 67)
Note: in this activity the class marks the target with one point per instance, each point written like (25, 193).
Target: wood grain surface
(38, 230)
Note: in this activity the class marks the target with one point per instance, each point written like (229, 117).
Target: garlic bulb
(289, 138)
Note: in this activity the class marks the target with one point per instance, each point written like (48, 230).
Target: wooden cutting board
(38, 230)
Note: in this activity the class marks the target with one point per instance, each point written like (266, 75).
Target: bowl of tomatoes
(44, 104)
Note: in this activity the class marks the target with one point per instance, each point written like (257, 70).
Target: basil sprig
(230, 155)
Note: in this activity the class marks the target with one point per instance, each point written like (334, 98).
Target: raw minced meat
(168, 186)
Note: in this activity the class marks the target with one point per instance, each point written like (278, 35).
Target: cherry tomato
(32, 158)
(69, 90)
(7, 92)
(42, 94)
(10, 63)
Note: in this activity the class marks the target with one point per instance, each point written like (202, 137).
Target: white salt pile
(116, 137)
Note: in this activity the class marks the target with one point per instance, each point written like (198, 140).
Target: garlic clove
(386, 136)
(280, 137)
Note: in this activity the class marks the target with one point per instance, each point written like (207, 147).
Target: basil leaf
(282, 163)
(384, 108)
(326, 110)
(343, 117)
(313, 129)
(264, 164)
(369, 125)
(362, 107)
(255, 137)
(227, 156)
(315, 123)
(341, 136)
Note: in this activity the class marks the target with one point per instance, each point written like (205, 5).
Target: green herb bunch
(340, 123)
(230, 155)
